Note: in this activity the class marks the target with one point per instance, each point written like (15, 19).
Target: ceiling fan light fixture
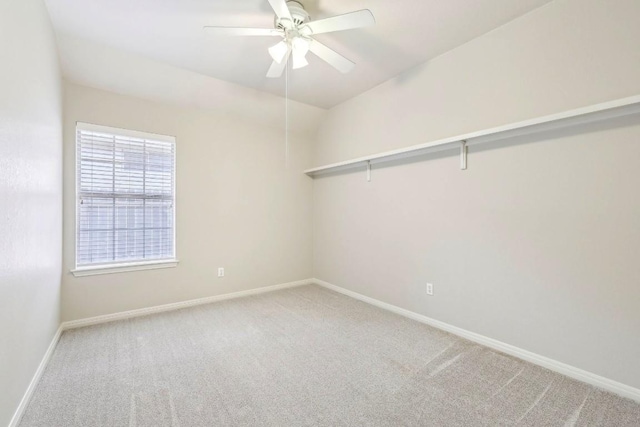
(300, 47)
(279, 51)
(299, 61)
(293, 24)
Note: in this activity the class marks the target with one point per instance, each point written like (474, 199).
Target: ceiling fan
(292, 24)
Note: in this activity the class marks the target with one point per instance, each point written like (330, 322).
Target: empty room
(319, 213)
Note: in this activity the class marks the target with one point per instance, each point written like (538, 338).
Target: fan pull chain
(286, 115)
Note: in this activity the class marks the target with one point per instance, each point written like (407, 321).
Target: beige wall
(239, 205)
(30, 195)
(564, 55)
(536, 243)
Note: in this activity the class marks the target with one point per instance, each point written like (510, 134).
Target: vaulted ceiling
(407, 33)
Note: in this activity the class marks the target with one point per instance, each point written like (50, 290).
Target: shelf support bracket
(368, 171)
(463, 155)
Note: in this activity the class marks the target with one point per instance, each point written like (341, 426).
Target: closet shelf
(597, 112)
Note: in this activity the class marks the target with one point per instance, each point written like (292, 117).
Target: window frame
(126, 266)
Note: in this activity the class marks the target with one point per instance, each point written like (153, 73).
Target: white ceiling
(407, 33)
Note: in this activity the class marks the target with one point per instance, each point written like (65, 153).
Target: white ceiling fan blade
(232, 31)
(348, 21)
(334, 59)
(276, 68)
(281, 9)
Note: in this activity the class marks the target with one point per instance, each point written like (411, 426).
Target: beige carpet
(301, 357)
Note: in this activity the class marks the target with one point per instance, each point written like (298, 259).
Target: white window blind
(126, 192)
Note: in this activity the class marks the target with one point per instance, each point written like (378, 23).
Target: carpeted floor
(304, 356)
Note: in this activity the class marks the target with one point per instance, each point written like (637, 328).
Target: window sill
(124, 267)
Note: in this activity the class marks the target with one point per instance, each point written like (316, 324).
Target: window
(125, 184)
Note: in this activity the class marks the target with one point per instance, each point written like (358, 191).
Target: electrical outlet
(221, 272)
(429, 289)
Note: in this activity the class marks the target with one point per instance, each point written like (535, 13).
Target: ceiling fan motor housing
(299, 15)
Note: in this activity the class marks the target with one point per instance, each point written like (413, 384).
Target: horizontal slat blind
(125, 188)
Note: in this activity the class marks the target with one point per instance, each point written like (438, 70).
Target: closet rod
(597, 112)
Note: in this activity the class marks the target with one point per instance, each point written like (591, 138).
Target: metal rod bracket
(463, 155)
(368, 171)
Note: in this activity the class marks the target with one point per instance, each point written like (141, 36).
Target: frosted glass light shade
(299, 61)
(279, 51)
(300, 48)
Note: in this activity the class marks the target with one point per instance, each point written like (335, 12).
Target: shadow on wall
(453, 151)
(581, 129)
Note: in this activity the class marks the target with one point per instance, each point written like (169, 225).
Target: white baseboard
(126, 315)
(17, 416)
(177, 305)
(553, 365)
